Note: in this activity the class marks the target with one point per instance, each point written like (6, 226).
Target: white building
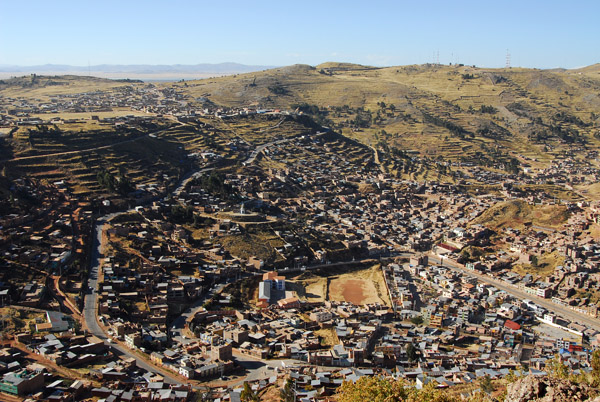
(264, 291)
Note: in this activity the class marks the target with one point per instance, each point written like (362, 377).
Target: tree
(16, 317)
(557, 368)
(513, 375)
(380, 389)
(287, 393)
(278, 89)
(121, 184)
(596, 367)
(411, 352)
(417, 320)
(486, 385)
(248, 394)
(372, 389)
(488, 109)
(534, 261)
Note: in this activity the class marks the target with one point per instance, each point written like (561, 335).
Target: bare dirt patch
(353, 291)
(364, 286)
(309, 287)
(357, 288)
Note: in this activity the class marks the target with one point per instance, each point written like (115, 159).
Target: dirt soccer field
(364, 286)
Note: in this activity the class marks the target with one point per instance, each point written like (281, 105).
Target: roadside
(49, 364)
(560, 310)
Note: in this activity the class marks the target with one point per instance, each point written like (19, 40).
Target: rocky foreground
(546, 389)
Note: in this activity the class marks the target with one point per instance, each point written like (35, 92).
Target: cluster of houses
(21, 376)
(143, 295)
(463, 312)
(324, 200)
(148, 98)
(47, 238)
(121, 379)
(18, 110)
(481, 331)
(66, 349)
(393, 216)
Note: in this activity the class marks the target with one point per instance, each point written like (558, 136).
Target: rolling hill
(419, 118)
(487, 116)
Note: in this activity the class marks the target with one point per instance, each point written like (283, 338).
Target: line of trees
(448, 125)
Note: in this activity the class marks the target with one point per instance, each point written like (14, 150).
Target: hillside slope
(426, 122)
(494, 117)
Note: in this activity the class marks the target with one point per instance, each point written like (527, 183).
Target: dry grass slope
(507, 111)
(517, 213)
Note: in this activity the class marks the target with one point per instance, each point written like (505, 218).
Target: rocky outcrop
(546, 389)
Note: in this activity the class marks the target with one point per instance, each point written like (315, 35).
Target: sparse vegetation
(379, 389)
(112, 183)
(278, 89)
(518, 213)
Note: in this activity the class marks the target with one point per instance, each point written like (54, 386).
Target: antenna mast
(507, 59)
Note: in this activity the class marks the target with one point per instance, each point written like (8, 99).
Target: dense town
(203, 290)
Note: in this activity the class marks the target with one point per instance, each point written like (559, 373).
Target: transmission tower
(507, 59)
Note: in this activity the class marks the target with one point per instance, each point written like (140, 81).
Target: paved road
(90, 310)
(262, 147)
(262, 369)
(189, 177)
(255, 153)
(549, 305)
(179, 323)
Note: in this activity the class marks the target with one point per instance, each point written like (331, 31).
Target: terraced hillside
(489, 116)
(424, 122)
(154, 153)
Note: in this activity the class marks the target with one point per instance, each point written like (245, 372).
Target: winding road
(90, 308)
(189, 177)
(262, 147)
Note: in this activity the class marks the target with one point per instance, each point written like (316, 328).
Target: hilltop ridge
(494, 118)
(455, 112)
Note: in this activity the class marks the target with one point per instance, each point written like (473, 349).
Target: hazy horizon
(144, 72)
(543, 35)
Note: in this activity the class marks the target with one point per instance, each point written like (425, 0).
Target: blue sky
(541, 34)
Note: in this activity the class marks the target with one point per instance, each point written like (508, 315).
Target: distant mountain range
(175, 71)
